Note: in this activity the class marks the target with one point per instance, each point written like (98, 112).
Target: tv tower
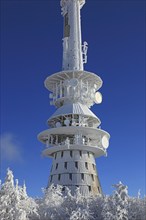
(74, 138)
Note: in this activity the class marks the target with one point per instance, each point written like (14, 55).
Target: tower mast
(74, 137)
(72, 41)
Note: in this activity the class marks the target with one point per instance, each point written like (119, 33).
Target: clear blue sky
(31, 49)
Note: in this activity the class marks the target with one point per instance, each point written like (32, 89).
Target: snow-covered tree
(107, 211)
(14, 202)
(59, 204)
(50, 205)
(137, 209)
(62, 205)
(120, 202)
(76, 206)
(8, 198)
(95, 204)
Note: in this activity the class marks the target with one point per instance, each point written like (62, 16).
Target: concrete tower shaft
(74, 53)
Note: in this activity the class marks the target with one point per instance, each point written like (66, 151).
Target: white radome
(105, 142)
(98, 98)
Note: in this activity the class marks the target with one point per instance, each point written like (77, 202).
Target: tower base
(73, 169)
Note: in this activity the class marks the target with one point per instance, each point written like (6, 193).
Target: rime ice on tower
(74, 138)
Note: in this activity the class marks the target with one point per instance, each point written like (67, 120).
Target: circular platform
(92, 78)
(92, 133)
(97, 151)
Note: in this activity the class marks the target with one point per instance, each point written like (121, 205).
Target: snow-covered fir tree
(59, 204)
(120, 202)
(137, 208)
(14, 202)
(50, 206)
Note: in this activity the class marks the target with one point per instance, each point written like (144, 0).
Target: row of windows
(76, 165)
(71, 154)
(70, 177)
(89, 188)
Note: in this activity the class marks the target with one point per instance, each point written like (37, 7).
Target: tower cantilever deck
(74, 138)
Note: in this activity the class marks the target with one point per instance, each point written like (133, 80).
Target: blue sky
(31, 49)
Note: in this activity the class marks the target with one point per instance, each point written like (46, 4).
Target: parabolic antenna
(58, 124)
(98, 98)
(105, 142)
(67, 122)
(73, 82)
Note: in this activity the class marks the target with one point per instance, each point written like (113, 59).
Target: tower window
(56, 166)
(65, 165)
(92, 176)
(59, 176)
(51, 168)
(98, 189)
(76, 165)
(66, 26)
(93, 166)
(82, 176)
(66, 19)
(80, 153)
(55, 156)
(71, 153)
(62, 154)
(88, 154)
(89, 187)
(70, 176)
(50, 178)
(86, 165)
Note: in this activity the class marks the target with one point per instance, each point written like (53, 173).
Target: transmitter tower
(74, 138)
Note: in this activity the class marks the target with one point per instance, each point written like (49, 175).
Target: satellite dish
(67, 122)
(98, 98)
(51, 95)
(73, 82)
(58, 124)
(105, 142)
(66, 82)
